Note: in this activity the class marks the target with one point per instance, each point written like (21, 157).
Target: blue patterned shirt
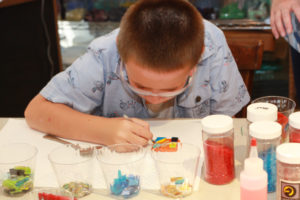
(92, 85)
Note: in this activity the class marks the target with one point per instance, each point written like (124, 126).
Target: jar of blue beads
(267, 135)
(121, 165)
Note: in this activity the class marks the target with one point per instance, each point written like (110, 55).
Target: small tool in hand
(126, 117)
(89, 151)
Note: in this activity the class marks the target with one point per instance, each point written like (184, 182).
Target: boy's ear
(192, 71)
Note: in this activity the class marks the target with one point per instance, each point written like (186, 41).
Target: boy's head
(162, 35)
(160, 42)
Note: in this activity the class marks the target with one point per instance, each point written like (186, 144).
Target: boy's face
(158, 83)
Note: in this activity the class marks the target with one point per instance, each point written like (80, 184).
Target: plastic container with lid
(288, 171)
(261, 112)
(218, 149)
(267, 135)
(294, 127)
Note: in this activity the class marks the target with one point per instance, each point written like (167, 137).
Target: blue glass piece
(116, 189)
(159, 138)
(130, 191)
(133, 180)
(269, 158)
(126, 186)
(180, 181)
(21, 182)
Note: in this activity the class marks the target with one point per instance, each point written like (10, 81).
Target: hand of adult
(281, 16)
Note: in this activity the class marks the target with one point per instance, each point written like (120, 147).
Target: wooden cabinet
(252, 35)
(279, 49)
(29, 52)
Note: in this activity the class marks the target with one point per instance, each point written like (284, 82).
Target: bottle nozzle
(253, 148)
(253, 142)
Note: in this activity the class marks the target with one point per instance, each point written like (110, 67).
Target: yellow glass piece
(173, 145)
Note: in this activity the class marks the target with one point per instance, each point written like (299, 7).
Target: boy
(149, 68)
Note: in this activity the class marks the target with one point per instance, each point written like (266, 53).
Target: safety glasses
(142, 92)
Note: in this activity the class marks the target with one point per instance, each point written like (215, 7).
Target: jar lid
(216, 124)
(262, 112)
(265, 130)
(288, 153)
(294, 120)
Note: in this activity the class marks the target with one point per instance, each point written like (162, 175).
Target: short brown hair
(162, 35)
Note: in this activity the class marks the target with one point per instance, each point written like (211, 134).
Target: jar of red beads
(288, 171)
(218, 140)
(294, 127)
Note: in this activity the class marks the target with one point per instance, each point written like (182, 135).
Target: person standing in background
(285, 22)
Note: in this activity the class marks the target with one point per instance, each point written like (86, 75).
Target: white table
(206, 191)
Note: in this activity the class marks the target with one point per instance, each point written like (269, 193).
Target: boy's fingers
(135, 139)
(141, 131)
(140, 122)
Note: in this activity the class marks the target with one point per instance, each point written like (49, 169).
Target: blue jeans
(296, 68)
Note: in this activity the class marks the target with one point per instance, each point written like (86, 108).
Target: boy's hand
(131, 130)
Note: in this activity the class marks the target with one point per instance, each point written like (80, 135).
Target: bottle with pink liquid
(253, 179)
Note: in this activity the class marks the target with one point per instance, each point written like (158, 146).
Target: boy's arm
(61, 120)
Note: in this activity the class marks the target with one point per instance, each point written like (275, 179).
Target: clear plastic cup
(285, 106)
(122, 166)
(177, 169)
(73, 170)
(17, 164)
(51, 193)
